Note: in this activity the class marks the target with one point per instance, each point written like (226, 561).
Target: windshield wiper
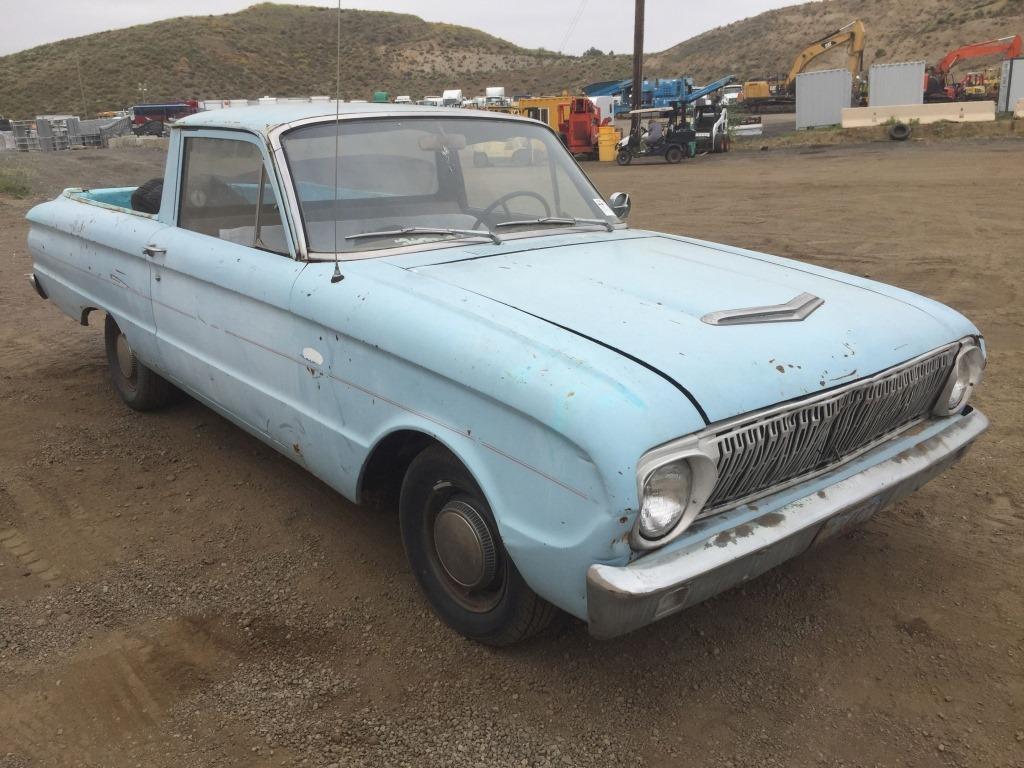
(557, 221)
(428, 231)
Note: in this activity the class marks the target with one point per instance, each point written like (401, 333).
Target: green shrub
(14, 182)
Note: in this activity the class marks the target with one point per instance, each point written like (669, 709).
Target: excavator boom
(1009, 47)
(852, 34)
(757, 93)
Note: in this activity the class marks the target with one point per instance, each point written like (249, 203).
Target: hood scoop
(792, 311)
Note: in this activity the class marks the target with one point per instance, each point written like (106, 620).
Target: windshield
(428, 179)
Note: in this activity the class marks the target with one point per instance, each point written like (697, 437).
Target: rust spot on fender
(297, 448)
(771, 519)
(725, 538)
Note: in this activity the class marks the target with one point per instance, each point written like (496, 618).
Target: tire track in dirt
(98, 699)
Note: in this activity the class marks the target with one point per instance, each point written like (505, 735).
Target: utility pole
(81, 87)
(638, 64)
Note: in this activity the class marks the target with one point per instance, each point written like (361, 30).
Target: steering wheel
(503, 202)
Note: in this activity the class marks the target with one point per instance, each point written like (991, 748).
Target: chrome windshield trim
(437, 245)
(454, 232)
(794, 310)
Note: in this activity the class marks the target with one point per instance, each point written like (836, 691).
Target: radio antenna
(337, 277)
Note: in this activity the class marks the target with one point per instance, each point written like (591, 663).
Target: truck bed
(119, 198)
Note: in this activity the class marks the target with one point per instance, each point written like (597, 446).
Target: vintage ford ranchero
(616, 422)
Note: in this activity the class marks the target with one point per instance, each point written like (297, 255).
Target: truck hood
(644, 296)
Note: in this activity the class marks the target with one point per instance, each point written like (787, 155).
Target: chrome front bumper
(729, 549)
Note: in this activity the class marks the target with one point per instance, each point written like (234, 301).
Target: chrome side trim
(792, 311)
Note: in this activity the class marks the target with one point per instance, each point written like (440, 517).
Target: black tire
(673, 154)
(502, 610)
(139, 387)
(624, 157)
(146, 197)
(899, 132)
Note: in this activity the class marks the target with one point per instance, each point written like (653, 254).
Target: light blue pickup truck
(613, 422)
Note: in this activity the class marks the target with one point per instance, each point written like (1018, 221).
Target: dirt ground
(173, 593)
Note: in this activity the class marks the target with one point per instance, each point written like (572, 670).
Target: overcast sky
(608, 24)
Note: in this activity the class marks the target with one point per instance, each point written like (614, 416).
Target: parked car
(578, 415)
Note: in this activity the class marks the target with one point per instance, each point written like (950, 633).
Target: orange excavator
(938, 81)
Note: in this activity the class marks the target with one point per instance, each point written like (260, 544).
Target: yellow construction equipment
(553, 110)
(758, 93)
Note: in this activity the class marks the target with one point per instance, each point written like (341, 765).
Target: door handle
(153, 251)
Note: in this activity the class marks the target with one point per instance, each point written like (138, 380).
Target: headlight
(666, 494)
(965, 376)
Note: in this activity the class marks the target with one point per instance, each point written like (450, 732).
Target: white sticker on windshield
(603, 206)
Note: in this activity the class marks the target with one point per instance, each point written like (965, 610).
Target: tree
(593, 52)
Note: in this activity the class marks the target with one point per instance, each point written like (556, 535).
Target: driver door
(221, 282)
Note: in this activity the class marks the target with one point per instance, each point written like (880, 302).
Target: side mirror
(620, 204)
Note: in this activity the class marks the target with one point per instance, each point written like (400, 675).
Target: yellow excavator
(762, 93)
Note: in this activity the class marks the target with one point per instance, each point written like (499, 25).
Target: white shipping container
(896, 85)
(1011, 85)
(822, 96)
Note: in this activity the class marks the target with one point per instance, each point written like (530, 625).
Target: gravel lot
(174, 593)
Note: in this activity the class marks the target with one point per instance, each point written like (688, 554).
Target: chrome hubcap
(125, 357)
(465, 545)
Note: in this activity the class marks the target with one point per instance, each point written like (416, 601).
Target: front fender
(553, 517)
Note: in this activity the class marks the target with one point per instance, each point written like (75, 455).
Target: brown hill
(897, 30)
(277, 50)
(286, 50)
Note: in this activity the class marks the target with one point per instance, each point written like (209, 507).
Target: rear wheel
(457, 555)
(138, 386)
(673, 154)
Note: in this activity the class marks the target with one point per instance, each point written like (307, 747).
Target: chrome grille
(791, 442)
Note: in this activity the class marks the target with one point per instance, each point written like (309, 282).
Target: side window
(226, 193)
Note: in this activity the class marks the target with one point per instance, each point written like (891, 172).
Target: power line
(572, 25)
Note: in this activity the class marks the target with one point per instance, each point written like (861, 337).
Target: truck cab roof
(266, 117)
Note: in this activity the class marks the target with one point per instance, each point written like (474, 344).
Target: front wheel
(457, 556)
(138, 386)
(625, 157)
